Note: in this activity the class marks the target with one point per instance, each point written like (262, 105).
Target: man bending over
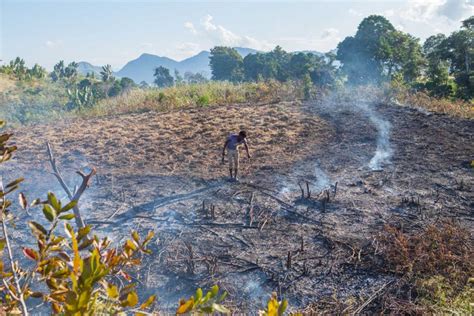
(232, 145)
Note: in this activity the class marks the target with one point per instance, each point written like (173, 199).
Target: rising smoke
(384, 151)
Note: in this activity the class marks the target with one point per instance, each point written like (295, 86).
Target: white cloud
(456, 10)
(354, 12)
(190, 27)
(330, 33)
(430, 11)
(219, 35)
(52, 44)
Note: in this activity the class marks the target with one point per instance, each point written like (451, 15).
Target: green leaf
(67, 217)
(198, 295)
(148, 302)
(132, 299)
(37, 228)
(54, 201)
(49, 212)
(214, 291)
(222, 297)
(68, 206)
(283, 306)
(3, 242)
(14, 183)
(220, 308)
(135, 236)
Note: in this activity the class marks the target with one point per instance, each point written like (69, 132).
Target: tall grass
(29, 101)
(195, 95)
(421, 99)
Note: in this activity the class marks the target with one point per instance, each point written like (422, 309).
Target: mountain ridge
(141, 68)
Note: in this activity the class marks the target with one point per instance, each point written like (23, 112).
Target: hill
(141, 69)
(84, 68)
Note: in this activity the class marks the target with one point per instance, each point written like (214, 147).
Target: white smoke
(384, 151)
(322, 179)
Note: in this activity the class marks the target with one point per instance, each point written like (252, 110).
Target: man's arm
(247, 149)
(223, 149)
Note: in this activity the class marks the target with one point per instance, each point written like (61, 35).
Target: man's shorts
(233, 158)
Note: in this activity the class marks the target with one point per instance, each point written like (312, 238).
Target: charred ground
(162, 171)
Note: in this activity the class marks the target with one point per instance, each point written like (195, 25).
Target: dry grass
(435, 265)
(181, 142)
(6, 83)
(197, 95)
(453, 107)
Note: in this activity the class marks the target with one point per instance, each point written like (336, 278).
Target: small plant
(274, 307)
(203, 100)
(74, 272)
(208, 304)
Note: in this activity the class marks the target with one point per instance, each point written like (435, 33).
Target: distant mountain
(142, 68)
(84, 68)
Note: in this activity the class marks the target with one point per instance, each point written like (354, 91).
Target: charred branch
(77, 192)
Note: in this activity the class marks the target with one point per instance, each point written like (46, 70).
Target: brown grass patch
(182, 142)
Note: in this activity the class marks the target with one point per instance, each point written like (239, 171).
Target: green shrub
(203, 100)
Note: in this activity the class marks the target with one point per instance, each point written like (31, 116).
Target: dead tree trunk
(78, 193)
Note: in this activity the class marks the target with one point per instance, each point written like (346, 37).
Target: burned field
(324, 179)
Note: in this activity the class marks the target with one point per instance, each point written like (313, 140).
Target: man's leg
(236, 164)
(230, 153)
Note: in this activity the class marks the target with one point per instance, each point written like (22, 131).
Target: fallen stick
(370, 299)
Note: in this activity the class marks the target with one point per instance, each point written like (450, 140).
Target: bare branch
(77, 193)
(20, 295)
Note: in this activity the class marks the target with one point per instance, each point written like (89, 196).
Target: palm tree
(106, 73)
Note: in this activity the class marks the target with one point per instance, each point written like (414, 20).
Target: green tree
(58, 71)
(127, 84)
(437, 71)
(106, 73)
(70, 72)
(37, 72)
(460, 53)
(194, 78)
(178, 78)
(258, 67)
(379, 52)
(226, 64)
(163, 77)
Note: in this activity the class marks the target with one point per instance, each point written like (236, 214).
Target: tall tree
(70, 72)
(58, 71)
(379, 52)
(163, 77)
(226, 64)
(106, 73)
(460, 53)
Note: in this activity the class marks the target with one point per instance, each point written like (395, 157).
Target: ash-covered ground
(365, 164)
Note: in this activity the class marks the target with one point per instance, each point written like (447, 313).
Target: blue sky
(116, 31)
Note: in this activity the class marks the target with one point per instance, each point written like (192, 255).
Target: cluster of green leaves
(227, 64)
(450, 60)
(378, 53)
(18, 69)
(75, 272)
(200, 303)
(275, 307)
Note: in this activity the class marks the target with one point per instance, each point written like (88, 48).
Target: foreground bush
(435, 267)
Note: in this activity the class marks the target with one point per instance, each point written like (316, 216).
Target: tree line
(377, 53)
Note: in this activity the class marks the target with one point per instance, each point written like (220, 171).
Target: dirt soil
(162, 172)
